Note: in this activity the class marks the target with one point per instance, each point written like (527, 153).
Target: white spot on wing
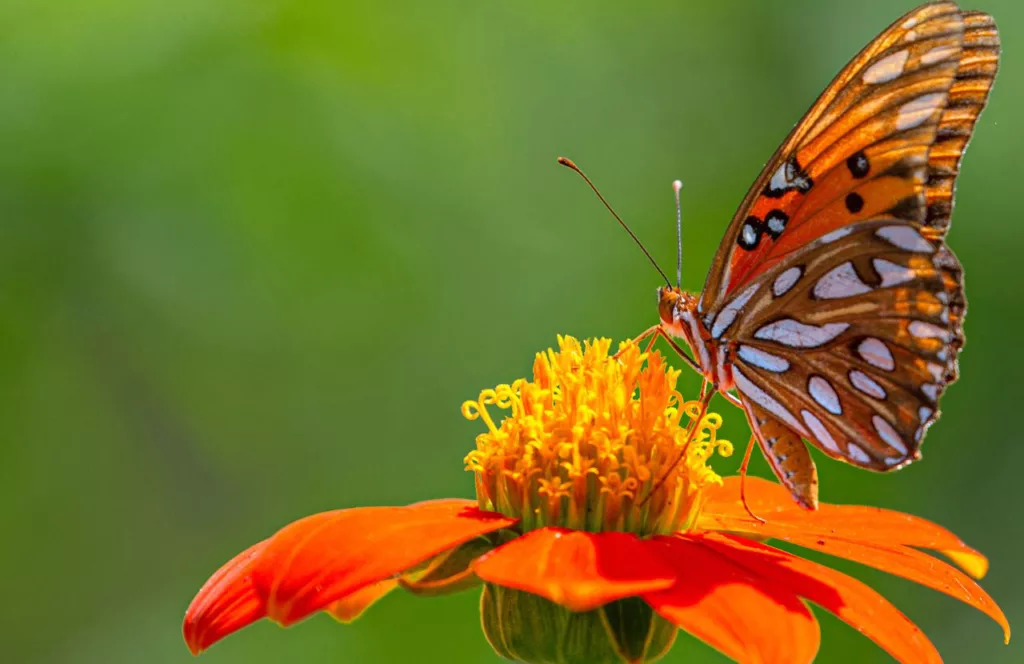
(841, 281)
(762, 360)
(786, 280)
(857, 453)
(892, 274)
(936, 370)
(917, 111)
(931, 390)
(924, 412)
(886, 69)
(727, 316)
(888, 433)
(779, 180)
(876, 353)
(923, 330)
(749, 234)
(823, 392)
(795, 334)
(787, 176)
(906, 238)
(819, 431)
(938, 54)
(866, 384)
(909, 23)
(837, 234)
(763, 399)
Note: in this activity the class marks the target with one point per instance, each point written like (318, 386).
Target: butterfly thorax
(677, 310)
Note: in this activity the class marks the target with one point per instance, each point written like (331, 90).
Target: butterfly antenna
(677, 186)
(568, 163)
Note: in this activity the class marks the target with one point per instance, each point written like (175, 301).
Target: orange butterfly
(833, 307)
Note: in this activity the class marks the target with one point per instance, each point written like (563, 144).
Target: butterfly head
(676, 308)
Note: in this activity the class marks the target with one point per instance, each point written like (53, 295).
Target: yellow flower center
(595, 442)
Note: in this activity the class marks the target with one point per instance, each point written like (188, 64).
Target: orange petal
(869, 525)
(227, 602)
(352, 606)
(849, 599)
(579, 570)
(318, 560)
(747, 617)
(911, 564)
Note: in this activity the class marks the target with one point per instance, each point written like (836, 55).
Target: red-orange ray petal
(227, 602)
(576, 569)
(849, 599)
(316, 561)
(352, 606)
(746, 616)
(912, 564)
(871, 525)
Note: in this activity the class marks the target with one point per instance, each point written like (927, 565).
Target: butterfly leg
(660, 332)
(743, 479)
(653, 330)
(734, 400)
(694, 428)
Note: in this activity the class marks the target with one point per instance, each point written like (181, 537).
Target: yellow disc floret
(595, 442)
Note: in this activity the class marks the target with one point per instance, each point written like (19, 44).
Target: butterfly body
(833, 307)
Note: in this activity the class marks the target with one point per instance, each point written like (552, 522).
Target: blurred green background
(254, 256)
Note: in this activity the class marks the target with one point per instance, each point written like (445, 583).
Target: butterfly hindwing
(852, 341)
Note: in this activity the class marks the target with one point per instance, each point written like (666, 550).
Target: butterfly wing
(852, 341)
(832, 286)
(866, 145)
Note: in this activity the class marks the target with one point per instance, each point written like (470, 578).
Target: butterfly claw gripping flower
(599, 530)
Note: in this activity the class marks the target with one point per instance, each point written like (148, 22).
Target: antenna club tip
(677, 185)
(565, 161)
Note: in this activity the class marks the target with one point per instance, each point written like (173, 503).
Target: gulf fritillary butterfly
(833, 306)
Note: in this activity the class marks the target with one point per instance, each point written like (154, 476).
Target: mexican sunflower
(597, 532)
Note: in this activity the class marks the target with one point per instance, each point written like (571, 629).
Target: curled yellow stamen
(594, 442)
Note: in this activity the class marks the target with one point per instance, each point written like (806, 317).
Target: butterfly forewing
(832, 296)
(884, 106)
(979, 61)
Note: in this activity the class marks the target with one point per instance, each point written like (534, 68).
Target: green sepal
(450, 572)
(528, 628)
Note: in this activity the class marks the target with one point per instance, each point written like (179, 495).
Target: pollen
(595, 442)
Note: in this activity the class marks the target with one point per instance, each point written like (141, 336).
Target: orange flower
(598, 531)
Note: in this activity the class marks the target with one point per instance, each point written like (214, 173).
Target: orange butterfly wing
(872, 133)
(844, 309)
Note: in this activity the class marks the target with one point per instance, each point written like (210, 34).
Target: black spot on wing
(854, 202)
(858, 164)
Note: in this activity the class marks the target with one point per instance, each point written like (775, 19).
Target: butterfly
(833, 307)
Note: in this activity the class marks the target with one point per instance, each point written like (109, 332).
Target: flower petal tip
(225, 604)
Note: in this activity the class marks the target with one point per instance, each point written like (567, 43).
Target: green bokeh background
(254, 255)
